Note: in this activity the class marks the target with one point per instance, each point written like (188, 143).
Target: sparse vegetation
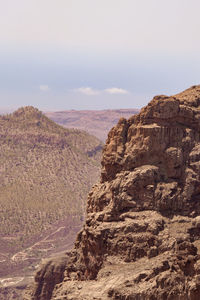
(46, 172)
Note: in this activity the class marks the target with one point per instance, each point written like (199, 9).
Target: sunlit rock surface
(141, 238)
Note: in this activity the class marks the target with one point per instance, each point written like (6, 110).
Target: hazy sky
(96, 54)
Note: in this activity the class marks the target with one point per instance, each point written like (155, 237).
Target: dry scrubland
(45, 174)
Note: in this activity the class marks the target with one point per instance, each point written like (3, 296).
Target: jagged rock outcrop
(141, 238)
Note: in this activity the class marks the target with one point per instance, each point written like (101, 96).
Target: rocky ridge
(141, 237)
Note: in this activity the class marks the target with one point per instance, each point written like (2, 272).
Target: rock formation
(141, 238)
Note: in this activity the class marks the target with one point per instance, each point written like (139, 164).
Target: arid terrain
(96, 122)
(46, 172)
(141, 236)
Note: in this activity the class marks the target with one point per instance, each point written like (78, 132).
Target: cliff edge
(141, 238)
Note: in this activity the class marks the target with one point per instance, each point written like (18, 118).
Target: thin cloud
(87, 91)
(116, 91)
(44, 88)
(92, 92)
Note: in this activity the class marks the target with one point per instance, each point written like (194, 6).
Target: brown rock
(141, 238)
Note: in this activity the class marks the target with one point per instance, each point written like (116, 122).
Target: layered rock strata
(141, 238)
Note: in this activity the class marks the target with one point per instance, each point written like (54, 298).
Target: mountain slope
(45, 174)
(141, 237)
(96, 122)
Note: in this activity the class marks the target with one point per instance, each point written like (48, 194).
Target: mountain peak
(29, 118)
(27, 110)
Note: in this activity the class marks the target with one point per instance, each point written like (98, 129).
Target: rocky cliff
(141, 238)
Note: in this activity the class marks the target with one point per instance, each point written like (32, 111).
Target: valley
(95, 122)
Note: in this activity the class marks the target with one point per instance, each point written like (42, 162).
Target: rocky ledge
(141, 238)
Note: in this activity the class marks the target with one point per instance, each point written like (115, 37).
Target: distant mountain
(46, 172)
(96, 122)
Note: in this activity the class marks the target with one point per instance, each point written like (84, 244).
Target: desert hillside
(96, 122)
(46, 172)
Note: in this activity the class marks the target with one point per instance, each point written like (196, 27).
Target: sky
(96, 54)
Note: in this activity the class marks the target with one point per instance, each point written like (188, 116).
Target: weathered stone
(141, 238)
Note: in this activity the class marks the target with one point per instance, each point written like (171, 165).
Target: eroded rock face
(141, 238)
